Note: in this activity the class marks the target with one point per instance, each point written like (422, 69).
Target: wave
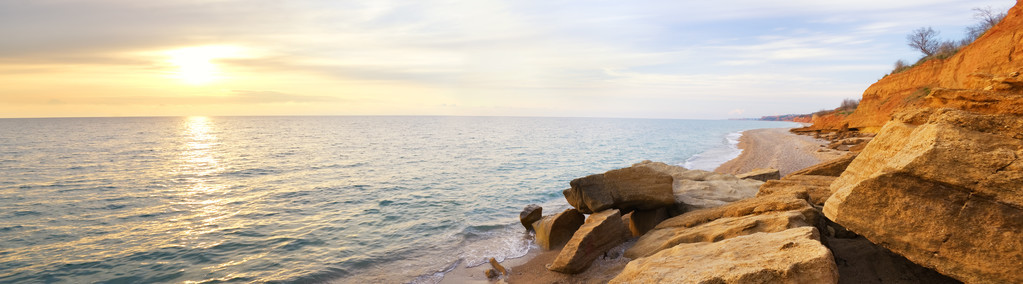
(715, 157)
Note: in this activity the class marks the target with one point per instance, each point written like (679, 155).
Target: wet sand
(780, 149)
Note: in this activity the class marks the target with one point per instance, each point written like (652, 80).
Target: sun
(196, 65)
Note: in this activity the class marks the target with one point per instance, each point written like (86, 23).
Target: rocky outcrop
(790, 256)
(697, 189)
(944, 188)
(761, 174)
(626, 189)
(720, 229)
(601, 232)
(699, 194)
(782, 211)
(554, 231)
(817, 188)
(530, 214)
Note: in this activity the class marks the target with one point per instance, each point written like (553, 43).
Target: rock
(530, 214)
(642, 221)
(759, 205)
(713, 193)
(493, 262)
(860, 261)
(626, 189)
(554, 231)
(818, 188)
(790, 256)
(944, 188)
(733, 219)
(720, 229)
(491, 273)
(830, 168)
(696, 189)
(761, 174)
(601, 232)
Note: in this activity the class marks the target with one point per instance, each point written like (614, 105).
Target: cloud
(485, 52)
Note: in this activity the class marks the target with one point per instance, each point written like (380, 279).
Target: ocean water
(303, 199)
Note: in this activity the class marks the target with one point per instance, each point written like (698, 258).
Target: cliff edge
(983, 77)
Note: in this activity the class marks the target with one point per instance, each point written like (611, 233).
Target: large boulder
(601, 232)
(626, 189)
(944, 188)
(761, 174)
(530, 214)
(554, 231)
(790, 256)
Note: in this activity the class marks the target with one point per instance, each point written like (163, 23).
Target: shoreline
(760, 148)
(779, 149)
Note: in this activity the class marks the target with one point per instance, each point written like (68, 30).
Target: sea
(343, 199)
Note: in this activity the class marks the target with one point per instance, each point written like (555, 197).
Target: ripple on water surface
(298, 199)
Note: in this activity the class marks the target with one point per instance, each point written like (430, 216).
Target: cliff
(982, 77)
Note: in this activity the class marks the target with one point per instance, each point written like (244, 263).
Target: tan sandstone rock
(717, 230)
(642, 221)
(818, 188)
(733, 219)
(627, 189)
(697, 189)
(790, 256)
(761, 174)
(601, 232)
(530, 214)
(946, 194)
(554, 231)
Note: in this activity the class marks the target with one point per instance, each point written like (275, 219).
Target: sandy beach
(777, 148)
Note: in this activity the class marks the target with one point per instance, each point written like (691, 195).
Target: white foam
(714, 157)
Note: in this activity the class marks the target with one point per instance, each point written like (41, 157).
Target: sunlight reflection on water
(296, 199)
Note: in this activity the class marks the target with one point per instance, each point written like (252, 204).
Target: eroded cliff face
(981, 77)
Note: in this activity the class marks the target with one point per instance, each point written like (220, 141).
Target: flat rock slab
(761, 174)
(720, 229)
(791, 256)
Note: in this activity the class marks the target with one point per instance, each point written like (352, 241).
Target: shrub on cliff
(926, 39)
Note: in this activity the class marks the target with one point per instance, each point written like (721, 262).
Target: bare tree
(925, 40)
(986, 19)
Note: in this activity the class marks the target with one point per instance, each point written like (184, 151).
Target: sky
(637, 59)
